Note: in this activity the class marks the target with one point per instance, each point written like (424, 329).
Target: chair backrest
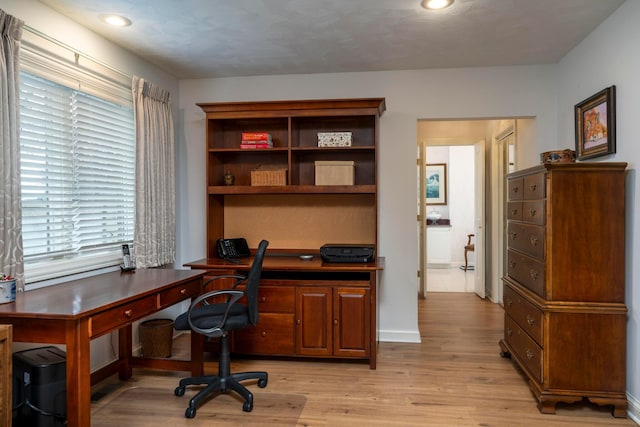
(253, 280)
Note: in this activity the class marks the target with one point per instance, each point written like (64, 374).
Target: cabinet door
(351, 323)
(313, 321)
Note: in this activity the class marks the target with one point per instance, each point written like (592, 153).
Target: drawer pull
(532, 212)
(509, 302)
(263, 299)
(512, 264)
(183, 291)
(514, 235)
(514, 212)
(534, 241)
(533, 274)
(298, 322)
(264, 334)
(128, 313)
(335, 321)
(532, 187)
(530, 320)
(529, 354)
(509, 332)
(515, 190)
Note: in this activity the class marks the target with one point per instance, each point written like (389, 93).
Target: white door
(479, 194)
(422, 223)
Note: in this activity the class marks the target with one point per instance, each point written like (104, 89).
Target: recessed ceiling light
(436, 4)
(116, 20)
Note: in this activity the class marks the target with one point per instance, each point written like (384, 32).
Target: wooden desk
(309, 308)
(75, 312)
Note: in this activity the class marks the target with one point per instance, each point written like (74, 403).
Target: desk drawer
(122, 315)
(276, 299)
(527, 351)
(180, 293)
(522, 311)
(273, 335)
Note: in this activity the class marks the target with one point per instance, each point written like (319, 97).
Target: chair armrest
(239, 280)
(233, 297)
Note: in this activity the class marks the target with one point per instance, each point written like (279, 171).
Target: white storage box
(334, 172)
(334, 139)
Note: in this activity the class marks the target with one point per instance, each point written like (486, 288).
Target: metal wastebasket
(156, 337)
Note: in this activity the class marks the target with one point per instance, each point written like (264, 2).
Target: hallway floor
(449, 279)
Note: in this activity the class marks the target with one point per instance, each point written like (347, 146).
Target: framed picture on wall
(436, 185)
(596, 125)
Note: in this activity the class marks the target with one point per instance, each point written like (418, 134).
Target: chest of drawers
(565, 316)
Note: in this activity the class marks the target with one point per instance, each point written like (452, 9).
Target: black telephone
(232, 248)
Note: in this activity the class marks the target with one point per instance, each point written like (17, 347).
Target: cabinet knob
(128, 313)
(533, 274)
(530, 320)
(532, 212)
(263, 299)
(514, 212)
(512, 264)
(515, 190)
(264, 334)
(298, 322)
(532, 187)
(534, 241)
(514, 235)
(335, 321)
(529, 354)
(183, 291)
(509, 332)
(509, 302)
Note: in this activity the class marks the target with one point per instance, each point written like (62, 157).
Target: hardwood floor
(454, 377)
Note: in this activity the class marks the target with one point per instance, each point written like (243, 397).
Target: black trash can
(40, 387)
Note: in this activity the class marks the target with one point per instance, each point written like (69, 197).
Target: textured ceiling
(220, 38)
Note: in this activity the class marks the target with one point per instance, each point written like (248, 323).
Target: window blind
(77, 172)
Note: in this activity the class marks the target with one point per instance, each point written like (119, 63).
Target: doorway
(483, 135)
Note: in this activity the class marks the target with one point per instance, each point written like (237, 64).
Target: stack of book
(256, 140)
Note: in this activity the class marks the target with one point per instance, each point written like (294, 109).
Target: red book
(256, 146)
(256, 136)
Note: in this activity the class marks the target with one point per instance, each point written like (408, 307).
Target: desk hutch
(308, 308)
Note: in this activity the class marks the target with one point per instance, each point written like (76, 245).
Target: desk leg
(78, 373)
(125, 349)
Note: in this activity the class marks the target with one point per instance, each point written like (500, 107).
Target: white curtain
(154, 240)
(11, 255)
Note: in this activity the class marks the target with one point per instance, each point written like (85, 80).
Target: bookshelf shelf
(293, 127)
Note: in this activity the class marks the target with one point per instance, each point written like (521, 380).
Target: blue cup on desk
(7, 291)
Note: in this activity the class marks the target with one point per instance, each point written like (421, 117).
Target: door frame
(479, 276)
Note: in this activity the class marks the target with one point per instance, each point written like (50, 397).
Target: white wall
(609, 56)
(410, 95)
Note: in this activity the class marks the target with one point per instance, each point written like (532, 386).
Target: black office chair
(216, 320)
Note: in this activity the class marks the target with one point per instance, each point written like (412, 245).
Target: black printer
(352, 253)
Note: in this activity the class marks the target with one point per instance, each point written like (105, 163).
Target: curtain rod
(75, 51)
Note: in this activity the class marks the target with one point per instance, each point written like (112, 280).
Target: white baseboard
(399, 336)
(633, 409)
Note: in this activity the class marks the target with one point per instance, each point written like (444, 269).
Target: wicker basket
(269, 175)
(156, 337)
